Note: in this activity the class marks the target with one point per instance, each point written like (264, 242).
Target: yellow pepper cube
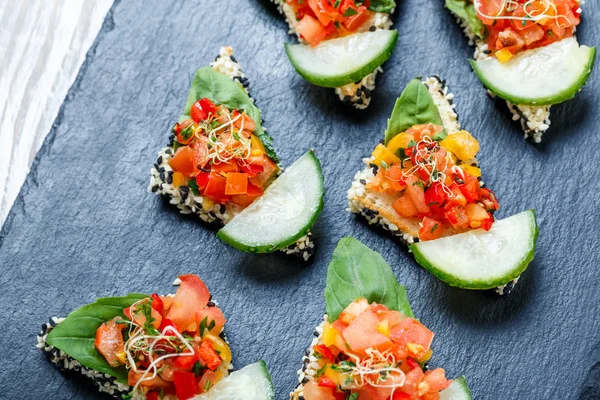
(329, 335)
(462, 144)
(384, 328)
(504, 55)
(383, 156)
(178, 179)
(475, 171)
(400, 141)
(257, 146)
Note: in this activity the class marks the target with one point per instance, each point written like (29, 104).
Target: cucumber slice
(337, 62)
(543, 76)
(458, 390)
(283, 214)
(482, 260)
(252, 382)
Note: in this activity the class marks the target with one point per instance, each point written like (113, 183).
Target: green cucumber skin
(271, 248)
(544, 101)
(478, 285)
(263, 365)
(462, 382)
(350, 77)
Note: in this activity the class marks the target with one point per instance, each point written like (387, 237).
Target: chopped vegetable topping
(433, 178)
(327, 19)
(515, 25)
(219, 157)
(164, 347)
(373, 352)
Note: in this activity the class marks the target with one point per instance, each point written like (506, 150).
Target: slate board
(85, 227)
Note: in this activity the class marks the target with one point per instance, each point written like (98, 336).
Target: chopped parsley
(337, 3)
(194, 187)
(187, 132)
(350, 12)
(433, 229)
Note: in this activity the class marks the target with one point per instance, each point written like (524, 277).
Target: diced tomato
(311, 30)
(471, 188)
(244, 122)
(411, 381)
(415, 189)
(208, 355)
(183, 161)
(236, 183)
(352, 23)
(489, 199)
(312, 391)
(252, 167)
(532, 34)
(185, 384)
(456, 199)
(436, 380)
(362, 334)
(324, 11)
(327, 382)
(476, 214)
(167, 322)
(457, 217)
(431, 229)
(200, 154)
(353, 310)
(185, 362)
(212, 314)
(405, 207)
(215, 188)
(384, 391)
(157, 303)
(411, 363)
(197, 113)
(109, 341)
(401, 396)
(435, 196)
(192, 295)
(270, 170)
(208, 106)
(325, 352)
(412, 331)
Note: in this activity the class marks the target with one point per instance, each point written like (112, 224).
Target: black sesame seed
(359, 101)
(363, 181)
(156, 166)
(222, 209)
(154, 188)
(211, 304)
(184, 189)
(159, 161)
(162, 176)
(367, 91)
(359, 92)
(233, 59)
(168, 151)
(161, 169)
(372, 28)
(346, 99)
(316, 333)
(170, 179)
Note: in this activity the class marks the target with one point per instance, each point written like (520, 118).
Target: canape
(423, 184)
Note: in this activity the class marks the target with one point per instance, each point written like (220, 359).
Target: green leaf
(465, 10)
(356, 271)
(223, 90)
(76, 334)
(415, 106)
(382, 6)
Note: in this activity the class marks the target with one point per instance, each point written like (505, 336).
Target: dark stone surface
(85, 227)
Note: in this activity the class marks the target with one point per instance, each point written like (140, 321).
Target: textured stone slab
(84, 226)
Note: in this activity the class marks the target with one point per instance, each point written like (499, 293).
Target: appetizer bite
(370, 346)
(221, 165)
(423, 184)
(154, 347)
(343, 43)
(526, 53)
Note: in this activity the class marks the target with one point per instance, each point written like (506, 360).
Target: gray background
(85, 227)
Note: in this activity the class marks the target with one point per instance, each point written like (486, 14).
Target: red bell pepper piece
(412, 364)
(166, 322)
(185, 384)
(208, 106)
(208, 355)
(198, 113)
(151, 396)
(325, 352)
(325, 381)
(157, 303)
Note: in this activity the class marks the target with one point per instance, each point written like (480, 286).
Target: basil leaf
(223, 90)
(415, 106)
(357, 271)
(465, 10)
(382, 6)
(76, 334)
